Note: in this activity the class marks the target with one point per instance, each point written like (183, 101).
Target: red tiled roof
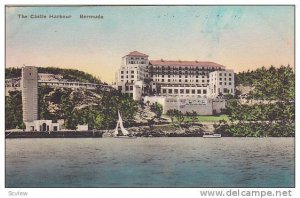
(185, 63)
(136, 53)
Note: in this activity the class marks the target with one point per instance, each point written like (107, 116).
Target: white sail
(124, 131)
(116, 130)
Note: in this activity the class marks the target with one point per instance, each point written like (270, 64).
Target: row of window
(221, 79)
(137, 58)
(185, 76)
(132, 76)
(132, 72)
(128, 81)
(225, 74)
(178, 72)
(180, 80)
(220, 83)
(184, 91)
(128, 88)
(137, 62)
(225, 90)
(186, 67)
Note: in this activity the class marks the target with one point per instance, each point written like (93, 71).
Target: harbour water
(150, 162)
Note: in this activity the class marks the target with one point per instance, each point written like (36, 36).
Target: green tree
(194, 117)
(157, 109)
(172, 114)
(13, 110)
(99, 122)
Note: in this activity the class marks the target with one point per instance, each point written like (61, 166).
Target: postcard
(150, 96)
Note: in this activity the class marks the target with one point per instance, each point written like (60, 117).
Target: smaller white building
(42, 125)
(83, 127)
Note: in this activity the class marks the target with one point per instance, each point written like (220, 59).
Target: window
(229, 83)
(220, 83)
(175, 91)
(169, 80)
(126, 88)
(186, 80)
(230, 79)
(186, 76)
(196, 80)
(131, 88)
(224, 83)
(170, 91)
(122, 76)
(225, 79)
(181, 91)
(193, 91)
(187, 91)
(132, 76)
(122, 72)
(199, 91)
(162, 80)
(179, 80)
(132, 72)
(229, 74)
(164, 91)
(204, 91)
(203, 81)
(220, 78)
(220, 74)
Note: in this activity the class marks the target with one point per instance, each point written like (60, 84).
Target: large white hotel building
(180, 82)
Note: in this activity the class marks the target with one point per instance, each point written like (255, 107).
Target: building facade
(184, 85)
(132, 74)
(196, 79)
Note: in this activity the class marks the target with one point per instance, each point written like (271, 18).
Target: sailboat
(125, 133)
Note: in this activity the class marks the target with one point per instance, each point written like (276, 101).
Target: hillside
(96, 108)
(68, 74)
(267, 83)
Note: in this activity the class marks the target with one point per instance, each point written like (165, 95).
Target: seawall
(54, 134)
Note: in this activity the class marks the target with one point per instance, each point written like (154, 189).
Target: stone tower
(29, 86)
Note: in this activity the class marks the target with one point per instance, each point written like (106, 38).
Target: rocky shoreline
(169, 130)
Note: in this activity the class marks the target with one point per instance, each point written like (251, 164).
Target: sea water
(150, 162)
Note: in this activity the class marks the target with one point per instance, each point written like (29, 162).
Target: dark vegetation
(69, 74)
(274, 115)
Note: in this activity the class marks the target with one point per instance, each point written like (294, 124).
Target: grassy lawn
(208, 118)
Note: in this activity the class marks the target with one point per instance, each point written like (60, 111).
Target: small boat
(124, 133)
(215, 135)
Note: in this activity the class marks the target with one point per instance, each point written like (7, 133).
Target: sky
(238, 37)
